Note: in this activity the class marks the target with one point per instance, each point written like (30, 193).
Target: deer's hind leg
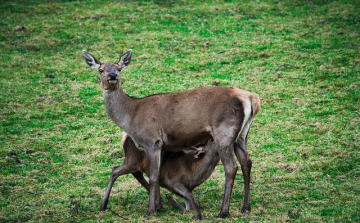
(140, 178)
(224, 141)
(242, 155)
(245, 163)
(183, 191)
(177, 205)
(174, 202)
(116, 172)
(230, 167)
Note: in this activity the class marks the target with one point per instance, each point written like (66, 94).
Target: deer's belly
(176, 143)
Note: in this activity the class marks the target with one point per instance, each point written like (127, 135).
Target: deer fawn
(174, 121)
(180, 172)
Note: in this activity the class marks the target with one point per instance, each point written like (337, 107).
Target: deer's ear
(91, 60)
(125, 59)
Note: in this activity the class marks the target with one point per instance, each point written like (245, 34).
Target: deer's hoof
(223, 214)
(148, 214)
(102, 207)
(159, 206)
(245, 209)
(199, 217)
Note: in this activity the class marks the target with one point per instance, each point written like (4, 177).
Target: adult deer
(180, 172)
(171, 122)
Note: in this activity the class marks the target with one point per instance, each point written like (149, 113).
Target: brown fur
(178, 171)
(172, 122)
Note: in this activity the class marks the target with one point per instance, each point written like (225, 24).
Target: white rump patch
(247, 119)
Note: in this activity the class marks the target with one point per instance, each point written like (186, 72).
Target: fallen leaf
(355, 85)
(18, 28)
(28, 151)
(49, 76)
(206, 44)
(143, 56)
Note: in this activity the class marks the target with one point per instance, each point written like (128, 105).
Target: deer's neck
(118, 106)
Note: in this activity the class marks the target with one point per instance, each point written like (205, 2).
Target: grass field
(58, 145)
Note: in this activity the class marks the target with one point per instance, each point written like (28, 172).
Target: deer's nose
(113, 76)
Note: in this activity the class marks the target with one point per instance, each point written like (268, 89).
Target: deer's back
(185, 118)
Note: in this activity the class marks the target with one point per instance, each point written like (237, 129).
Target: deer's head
(109, 72)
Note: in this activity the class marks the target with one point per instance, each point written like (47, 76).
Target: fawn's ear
(91, 60)
(194, 152)
(125, 59)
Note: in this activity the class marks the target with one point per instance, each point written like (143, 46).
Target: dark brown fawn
(180, 172)
(174, 121)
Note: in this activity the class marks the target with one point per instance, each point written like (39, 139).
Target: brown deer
(174, 121)
(180, 172)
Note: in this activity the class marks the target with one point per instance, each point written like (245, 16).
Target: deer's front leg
(154, 161)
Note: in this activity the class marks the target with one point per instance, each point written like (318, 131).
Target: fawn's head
(109, 72)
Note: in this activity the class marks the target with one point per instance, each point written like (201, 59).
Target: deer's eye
(119, 69)
(101, 70)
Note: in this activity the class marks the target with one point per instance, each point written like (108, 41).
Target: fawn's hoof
(159, 206)
(148, 214)
(199, 217)
(223, 214)
(245, 209)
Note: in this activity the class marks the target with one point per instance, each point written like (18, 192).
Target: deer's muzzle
(113, 78)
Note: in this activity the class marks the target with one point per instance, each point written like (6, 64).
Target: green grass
(58, 145)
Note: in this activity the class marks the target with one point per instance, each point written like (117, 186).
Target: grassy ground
(58, 145)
